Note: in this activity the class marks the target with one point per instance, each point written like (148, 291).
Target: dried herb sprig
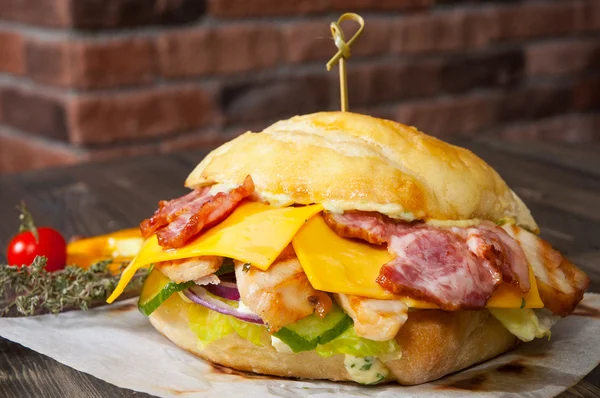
(33, 290)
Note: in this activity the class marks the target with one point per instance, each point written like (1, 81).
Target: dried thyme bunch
(33, 290)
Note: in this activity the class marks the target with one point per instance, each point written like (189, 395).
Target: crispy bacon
(434, 265)
(168, 210)
(370, 226)
(455, 268)
(491, 242)
(178, 220)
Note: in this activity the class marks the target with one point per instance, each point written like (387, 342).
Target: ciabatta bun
(348, 161)
(434, 343)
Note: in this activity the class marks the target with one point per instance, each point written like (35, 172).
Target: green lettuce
(210, 326)
(349, 343)
(526, 323)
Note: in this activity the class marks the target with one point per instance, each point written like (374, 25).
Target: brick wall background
(93, 79)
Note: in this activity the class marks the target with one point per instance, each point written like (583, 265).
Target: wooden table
(559, 183)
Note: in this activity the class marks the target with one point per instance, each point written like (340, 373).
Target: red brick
(311, 40)
(126, 116)
(374, 40)
(112, 63)
(102, 14)
(375, 83)
(537, 19)
(19, 152)
(225, 49)
(91, 64)
(49, 62)
(34, 112)
(563, 57)
(443, 31)
(264, 101)
(586, 93)
(379, 5)
(451, 116)
(245, 47)
(54, 13)
(12, 53)
(186, 52)
(572, 128)
(260, 8)
(308, 40)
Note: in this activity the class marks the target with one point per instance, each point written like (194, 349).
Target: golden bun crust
(434, 343)
(348, 161)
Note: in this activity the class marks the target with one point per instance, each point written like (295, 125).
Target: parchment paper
(117, 344)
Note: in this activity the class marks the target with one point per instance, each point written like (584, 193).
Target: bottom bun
(434, 343)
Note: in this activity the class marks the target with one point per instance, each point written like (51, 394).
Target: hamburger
(345, 247)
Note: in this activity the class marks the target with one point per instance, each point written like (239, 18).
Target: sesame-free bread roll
(348, 161)
(434, 343)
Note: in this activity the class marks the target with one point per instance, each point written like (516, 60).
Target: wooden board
(560, 184)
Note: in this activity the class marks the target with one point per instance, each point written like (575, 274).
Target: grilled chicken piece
(281, 295)
(190, 269)
(374, 319)
(560, 283)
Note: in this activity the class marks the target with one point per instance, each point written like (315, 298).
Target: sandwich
(345, 247)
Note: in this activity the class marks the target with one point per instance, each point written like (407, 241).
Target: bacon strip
(178, 220)
(493, 243)
(434, 266)
(168, 210)
(455, 268)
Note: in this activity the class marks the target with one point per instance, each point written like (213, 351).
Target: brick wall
(93, 79)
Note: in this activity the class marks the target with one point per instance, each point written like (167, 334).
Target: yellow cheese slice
(255, 233)
(507, 295)
(338, 265)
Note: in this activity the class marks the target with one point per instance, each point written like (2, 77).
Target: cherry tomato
(23, 248)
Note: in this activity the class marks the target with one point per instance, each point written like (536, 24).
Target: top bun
(348, 161)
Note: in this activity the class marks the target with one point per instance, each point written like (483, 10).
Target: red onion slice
(227, 290)
(230, 277)
(199, 295)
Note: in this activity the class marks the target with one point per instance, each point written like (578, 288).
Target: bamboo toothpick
(343, 52)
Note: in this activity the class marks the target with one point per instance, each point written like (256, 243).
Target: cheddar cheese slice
(338, 265)
(255, 233)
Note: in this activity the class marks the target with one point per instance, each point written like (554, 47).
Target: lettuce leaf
(526, 323)
(349, 343)
(249, 331)
(210, 326)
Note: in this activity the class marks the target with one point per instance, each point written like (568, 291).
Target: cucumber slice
(156, 290)
(305, 334)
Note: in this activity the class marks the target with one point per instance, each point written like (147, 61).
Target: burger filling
(299, 298)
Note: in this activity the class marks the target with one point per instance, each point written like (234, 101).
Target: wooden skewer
(344, 52)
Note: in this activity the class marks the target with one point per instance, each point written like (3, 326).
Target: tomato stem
(27, 223)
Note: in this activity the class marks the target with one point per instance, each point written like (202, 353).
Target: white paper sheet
(117, 344)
